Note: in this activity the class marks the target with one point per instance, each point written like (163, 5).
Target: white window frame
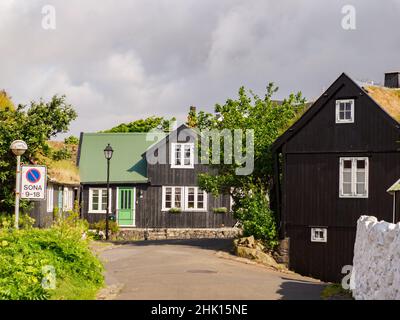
(101, 190)
(185, 199)
(68, 199)
(196, 192)
(353, 177)
(324, 238)
(352, 103)
(182, 153)
(50, 198)
(164, 193)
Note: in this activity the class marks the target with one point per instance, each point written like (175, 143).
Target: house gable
(373, 128)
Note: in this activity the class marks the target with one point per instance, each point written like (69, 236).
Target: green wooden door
(126, 206)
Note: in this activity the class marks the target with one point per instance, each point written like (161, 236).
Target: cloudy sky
(123, 60)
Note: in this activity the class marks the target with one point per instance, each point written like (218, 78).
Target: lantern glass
(108, 152)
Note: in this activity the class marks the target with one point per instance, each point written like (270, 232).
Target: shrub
(220, 210)
(175, 210)
(101, 226)
(256, 217)
(25, 221)
(24, 254)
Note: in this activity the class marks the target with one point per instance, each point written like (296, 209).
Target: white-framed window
(345, 111)
(353, 177)
(172, 197)
(182, 155)
(319, 234)
(195, 199)
(68, 199)
(184, 198)
(98, 200)
(50, 198)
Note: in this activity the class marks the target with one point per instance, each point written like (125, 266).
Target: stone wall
(376, 263)
(178, 233)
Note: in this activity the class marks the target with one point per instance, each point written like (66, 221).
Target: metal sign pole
(17, 191)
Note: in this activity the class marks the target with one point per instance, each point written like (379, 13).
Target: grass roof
(387, 98)
(61, 171)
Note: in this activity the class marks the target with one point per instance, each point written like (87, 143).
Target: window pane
(187, 154)
(178, 154)
(191, 198)
(346, 177)
(360, 164)
(95, 200)
(178, 198)
(200, 200)
(341, 115)
(347, 188)
(347, 164)
(361, 177)
(168, 198)
(347, 106)
(347, 115)
(360, 188)
(341, 107)
(104, 200)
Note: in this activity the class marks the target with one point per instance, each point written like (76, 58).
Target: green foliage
(71, 140)
(268, 119)
(253, 210)
(5, 102)
(336, 291)
(220, 210)
(175, 210)
(143, 125)
(35, 125)
(101, 226)
(24, 222)
(24, 254)
(62, 154)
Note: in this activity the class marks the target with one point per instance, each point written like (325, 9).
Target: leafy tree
(35, 125)
(5, 101)
(143, 125)
(268, 119)
(71, 140)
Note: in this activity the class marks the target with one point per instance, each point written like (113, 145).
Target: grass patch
(335, 291)
(73, 289)
(25, 255)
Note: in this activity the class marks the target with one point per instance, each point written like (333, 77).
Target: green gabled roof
(127, 164)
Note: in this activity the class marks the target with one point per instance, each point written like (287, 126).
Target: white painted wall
(376, 262)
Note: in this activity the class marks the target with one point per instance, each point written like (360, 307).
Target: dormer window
(182, 155)
(345, 111)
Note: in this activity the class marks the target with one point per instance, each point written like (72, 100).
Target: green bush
(25, 253)
(175, 210)
(220, 210)
(101, 226)
(257, 219)
(25, 221)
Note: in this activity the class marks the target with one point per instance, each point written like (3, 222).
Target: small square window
(319, 235)
(344, 111)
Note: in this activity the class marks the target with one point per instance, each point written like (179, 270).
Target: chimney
(392, 79)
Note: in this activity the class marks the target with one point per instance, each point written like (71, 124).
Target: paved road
(197, 269)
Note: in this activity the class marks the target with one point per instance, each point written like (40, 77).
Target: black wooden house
(160, 193)
(334, 165)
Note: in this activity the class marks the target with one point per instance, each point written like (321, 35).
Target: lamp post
(108, 153)
(18, 147)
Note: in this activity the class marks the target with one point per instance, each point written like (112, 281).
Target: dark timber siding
(149, 214)
(310, 183)
(43, 218)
